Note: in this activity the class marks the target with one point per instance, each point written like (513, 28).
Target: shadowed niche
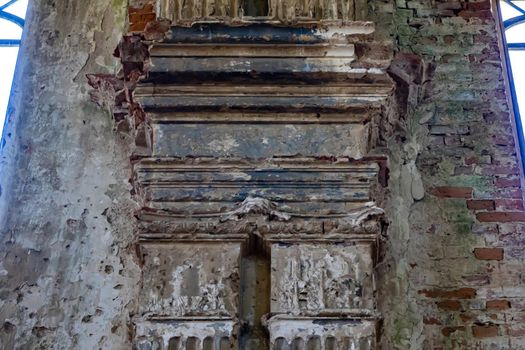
(255, 8)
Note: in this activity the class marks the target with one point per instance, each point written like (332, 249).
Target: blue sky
(517, 57)
(8, 55)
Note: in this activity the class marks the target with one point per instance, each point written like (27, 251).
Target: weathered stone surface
(219, 334)
(301, 186)
(237, 154)
(315, 279)
(305, 333)
(257, 141)
(67, 274)
(190, 279)
(280, 10)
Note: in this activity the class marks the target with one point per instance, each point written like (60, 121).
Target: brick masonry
(461, 250)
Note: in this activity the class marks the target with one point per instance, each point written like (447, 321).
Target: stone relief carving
(281, 230)
(182, 280)
(258, 206)
(313, 9)
(315, 279)
(304, 212)
(265, 218)
(278, 10)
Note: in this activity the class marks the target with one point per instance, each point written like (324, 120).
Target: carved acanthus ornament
(257, 206)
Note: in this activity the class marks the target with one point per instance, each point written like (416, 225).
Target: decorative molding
(259, 135)
(256, 206)
(349, 102)
(261, 206)
(284, 11)
(303, 332)
(183, 334)
(208, 188)
(158, 227)
(166, 229)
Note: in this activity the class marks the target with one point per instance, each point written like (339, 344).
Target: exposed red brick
(498, 304)
(488, 253)
(516, 331)
(431, 320)
(482, 39)
(500, 216)
(502, 182)
(449, 6)
(509, 204)
(452, 192)
(500, 170)
(465, 317)
(452, 305)
(462, 293)
(485, 331)
(511, 193)
(486, 14)
(447, 331)
(137, 27)
(476, 6)
(478, 204)
(145, 9)
(140, 17)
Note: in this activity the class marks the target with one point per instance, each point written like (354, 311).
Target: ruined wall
(451, 272)
(451, 265)
(67, 270)
(452, 276)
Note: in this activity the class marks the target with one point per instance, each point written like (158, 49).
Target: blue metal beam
(514, 6)
(7, 4)
(12, 18)
(9, 42)
(513, 21)
(516, 46)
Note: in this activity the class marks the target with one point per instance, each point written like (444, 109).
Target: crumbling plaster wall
(451, 275)
(67, 271)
